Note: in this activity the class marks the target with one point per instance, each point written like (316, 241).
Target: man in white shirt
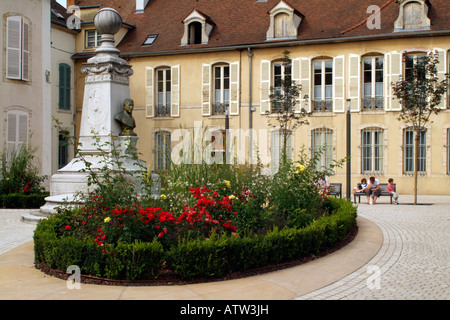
(373, 189)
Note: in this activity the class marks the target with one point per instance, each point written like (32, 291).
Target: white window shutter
(387, 82)
(175, 91)
(206, 90)
(305, 81)
(234, 88)
(22, 128)
(17, 129)
(338, 84)
(26, 50)
(354, 90)
(14, 47)
(296, 81)
(12, 131)
(265, 86)
(395, 75)
(441, 68)
(149, 92)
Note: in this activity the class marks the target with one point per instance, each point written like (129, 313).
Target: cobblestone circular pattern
(413, 262)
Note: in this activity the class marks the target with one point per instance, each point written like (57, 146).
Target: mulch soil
(167, 278)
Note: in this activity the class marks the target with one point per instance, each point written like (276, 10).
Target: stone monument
(106, 93)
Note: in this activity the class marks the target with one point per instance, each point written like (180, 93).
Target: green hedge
(22, 201)
(211, 258)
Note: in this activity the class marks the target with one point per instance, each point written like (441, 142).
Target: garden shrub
(213, 257)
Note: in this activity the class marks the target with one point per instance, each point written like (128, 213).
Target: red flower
(67, 228)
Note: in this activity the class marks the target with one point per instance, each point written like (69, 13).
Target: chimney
(140, 5)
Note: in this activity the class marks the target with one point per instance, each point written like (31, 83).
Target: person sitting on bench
(361, 186)
(373, 190)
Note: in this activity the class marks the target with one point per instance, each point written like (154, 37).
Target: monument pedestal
(106, 88)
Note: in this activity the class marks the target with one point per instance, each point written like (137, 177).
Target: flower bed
(210, 221)
(157, 250)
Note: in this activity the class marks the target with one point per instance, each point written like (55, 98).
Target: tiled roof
(59, 14)
(245, 22)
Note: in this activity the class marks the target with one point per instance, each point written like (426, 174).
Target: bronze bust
(126, 119)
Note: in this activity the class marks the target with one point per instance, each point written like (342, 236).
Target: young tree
(420, 94)
(284, 99)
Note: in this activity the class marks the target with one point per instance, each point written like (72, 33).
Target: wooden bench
(335, 189)
(383, 188)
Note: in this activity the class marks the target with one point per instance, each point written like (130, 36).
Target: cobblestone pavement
(14, 232)
(413, 262)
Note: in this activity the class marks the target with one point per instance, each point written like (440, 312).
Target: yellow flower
(163, 196)
(227, 183)
(300, 168)
(232, 197)
(107, 219)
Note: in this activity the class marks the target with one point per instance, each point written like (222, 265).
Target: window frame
(97, 39)
(409, 152)
(220, 107)
(63, 149)
(163, 149)
(279, 78)
(164, 109)
(64, 86)
(372, 153)
(325, 104)
(376, 101)
(22, 47)
(276, 148)
(19, 131)
(319, 140)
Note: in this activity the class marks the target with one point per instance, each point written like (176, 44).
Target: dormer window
(413, 15)
(197, 28)
(284, 22)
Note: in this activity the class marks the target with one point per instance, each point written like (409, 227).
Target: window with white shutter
(18, 48)
(17, 129)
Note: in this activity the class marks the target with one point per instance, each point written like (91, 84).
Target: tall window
(221, 89)
(93, 38)
(322, 147)
(410, 60)
(17, 129)
(17, 48)
(408, 151)
(163, 150)
(195, 33)
(372, 150)
(277, 149)
(323, 85)
(164, 94)
(63, 150)
(281, 73)
(373, 82)
(64, 86)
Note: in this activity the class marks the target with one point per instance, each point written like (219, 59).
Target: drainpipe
(250, 107)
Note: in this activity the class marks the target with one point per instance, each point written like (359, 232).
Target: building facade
(25, 89)
(211, 65)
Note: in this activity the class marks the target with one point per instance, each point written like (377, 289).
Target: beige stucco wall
(436, 180)
(63, 47)
(29, 96)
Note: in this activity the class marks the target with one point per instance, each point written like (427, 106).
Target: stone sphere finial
(107, 21)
